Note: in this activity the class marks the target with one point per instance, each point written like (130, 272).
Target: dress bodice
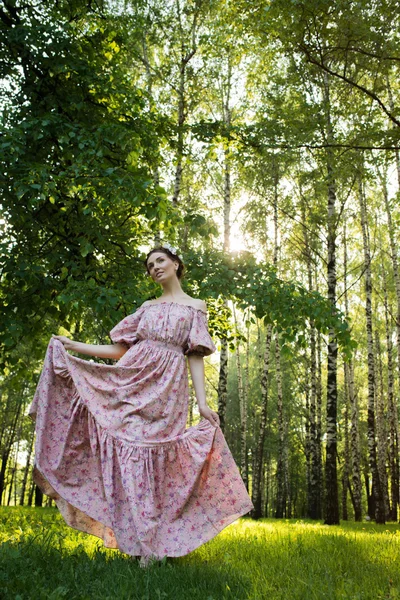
(168, 322)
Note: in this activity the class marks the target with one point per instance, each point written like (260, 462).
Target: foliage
(288, 305)
(76, 152)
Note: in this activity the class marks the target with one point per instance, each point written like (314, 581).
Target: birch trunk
(395, 467)
(346, 457)
(26, 470)
(187, 52)
(242, 408)
(331, 483)
(223, 381)
(281, 475)
(392, 413)
(259, 452)
(7, 447)
(382, 436)
(31, 492)
(223, 369)
(266, 485)
(319, 423)
(287, 475)
(377, 491)
(255, 427)
(149, 86)
(395, 263)
(14, 473)
(246, 402)
(353, 399)
(370, 495)
(314, 487)
(282, 462)
(307, 443)
(191, 406)
(258, 457)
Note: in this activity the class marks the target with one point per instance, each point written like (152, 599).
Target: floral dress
(112, 446)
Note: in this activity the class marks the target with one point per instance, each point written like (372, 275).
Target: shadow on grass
(42, 566)
(274, 560)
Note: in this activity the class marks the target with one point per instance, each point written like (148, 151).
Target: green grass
(42, 558)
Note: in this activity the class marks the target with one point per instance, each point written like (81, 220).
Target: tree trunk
(266, 485)
(314, 480)
(346, 461)
(353, 399)
(346, 457)
(246, 400)
(223, 381)
(255, 421)
(282, 463)
(186, 55)
(370, 496)
(149, 86)
(14, 471)
(259, 452)
(394, 443)
(319, 425)
(191, 406)
(38, 496)
(331, 483)
(392, 412)
(223, 372)
(26, 470)
(31, 492)
(307, 444)
(288, 514)
(381, 416)
(242, 408)
(7, 446)
(373, 463)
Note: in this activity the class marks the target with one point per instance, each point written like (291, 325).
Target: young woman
(112, 446)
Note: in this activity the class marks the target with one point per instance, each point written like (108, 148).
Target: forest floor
(42, 558)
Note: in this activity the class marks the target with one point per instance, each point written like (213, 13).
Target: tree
(377, 492)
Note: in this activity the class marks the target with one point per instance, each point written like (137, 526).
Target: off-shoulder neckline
(177, 303)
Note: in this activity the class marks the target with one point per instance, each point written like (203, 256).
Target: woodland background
(260, 138)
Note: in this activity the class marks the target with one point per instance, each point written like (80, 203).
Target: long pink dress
(112, 446)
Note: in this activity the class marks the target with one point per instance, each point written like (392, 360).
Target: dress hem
(62, 504)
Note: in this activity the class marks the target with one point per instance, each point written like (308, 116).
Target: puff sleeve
(199, 342)
(125, 332)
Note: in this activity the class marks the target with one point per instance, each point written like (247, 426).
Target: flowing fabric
(112, 446)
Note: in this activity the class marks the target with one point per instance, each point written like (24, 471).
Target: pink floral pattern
(112, 446)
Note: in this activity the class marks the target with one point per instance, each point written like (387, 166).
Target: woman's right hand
(67, 342)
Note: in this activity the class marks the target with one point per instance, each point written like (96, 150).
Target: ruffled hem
(150, 499)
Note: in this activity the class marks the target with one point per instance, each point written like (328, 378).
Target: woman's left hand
(210, 415)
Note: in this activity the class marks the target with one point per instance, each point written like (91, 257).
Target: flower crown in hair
(171, 249)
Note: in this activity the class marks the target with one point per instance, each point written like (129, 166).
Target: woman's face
(161, 267)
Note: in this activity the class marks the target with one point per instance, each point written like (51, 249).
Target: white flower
(171, 248)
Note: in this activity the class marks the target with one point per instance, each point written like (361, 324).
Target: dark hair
(180, 270)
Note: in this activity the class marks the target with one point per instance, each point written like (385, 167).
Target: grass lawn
(40, 557)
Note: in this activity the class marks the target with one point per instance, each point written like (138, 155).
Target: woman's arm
(114, 351)
(196, 366)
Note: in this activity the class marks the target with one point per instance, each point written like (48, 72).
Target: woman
(111, 444)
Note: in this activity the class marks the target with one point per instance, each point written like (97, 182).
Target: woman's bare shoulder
(146, 303)
(198, 303)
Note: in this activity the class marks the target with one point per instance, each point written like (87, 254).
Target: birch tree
(377, 492)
